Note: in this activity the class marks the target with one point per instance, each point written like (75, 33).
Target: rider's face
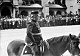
(35, 17)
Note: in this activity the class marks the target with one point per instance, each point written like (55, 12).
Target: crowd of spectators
(11, 23)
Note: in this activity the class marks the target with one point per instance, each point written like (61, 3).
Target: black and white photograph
(39, 27)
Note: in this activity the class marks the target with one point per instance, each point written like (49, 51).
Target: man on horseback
(33, 31)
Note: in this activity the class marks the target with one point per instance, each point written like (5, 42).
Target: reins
(71, 47)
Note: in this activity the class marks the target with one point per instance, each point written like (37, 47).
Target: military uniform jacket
(33, 27)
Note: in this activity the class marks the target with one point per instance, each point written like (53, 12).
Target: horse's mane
(58, 39)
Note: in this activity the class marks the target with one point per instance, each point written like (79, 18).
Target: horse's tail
(14, 47)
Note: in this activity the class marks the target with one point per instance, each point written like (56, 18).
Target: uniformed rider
(33, 30)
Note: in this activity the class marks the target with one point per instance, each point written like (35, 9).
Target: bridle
(71, 45)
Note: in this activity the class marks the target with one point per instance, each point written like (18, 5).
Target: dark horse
(56, 46)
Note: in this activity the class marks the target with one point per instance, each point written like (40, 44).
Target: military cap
(34, 12)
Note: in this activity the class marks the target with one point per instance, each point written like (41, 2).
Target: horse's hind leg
(11, 54)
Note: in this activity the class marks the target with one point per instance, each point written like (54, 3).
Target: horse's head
(63, 43)
(74, 48)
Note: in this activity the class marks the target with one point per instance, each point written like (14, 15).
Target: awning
(36, 5)
(54, 6)
(31, 6)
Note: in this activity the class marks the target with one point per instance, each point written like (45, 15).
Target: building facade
(54, 7)
(73, 5)
(15, 8)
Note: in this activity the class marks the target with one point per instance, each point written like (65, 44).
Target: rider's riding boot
(38, 52)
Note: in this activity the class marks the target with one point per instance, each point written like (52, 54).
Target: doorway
(5, 11)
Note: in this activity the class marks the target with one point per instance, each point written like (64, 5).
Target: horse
(54, 46)
(59, 45)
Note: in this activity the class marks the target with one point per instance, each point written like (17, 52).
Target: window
(32, 1)
(78, 1)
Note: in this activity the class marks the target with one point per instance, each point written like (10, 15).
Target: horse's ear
(70, 36)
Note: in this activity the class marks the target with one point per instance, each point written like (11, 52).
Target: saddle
(37, 49)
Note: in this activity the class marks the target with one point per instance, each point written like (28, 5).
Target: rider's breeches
(37, 38)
